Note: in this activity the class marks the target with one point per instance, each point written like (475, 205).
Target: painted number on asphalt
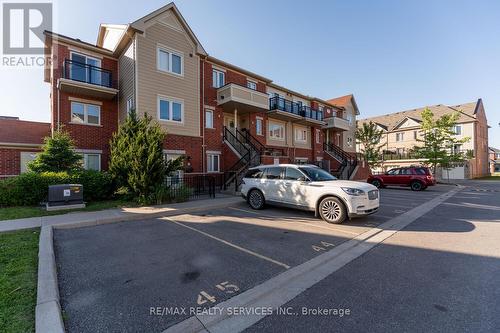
(204, 297)
(322, 246)
(228, 288)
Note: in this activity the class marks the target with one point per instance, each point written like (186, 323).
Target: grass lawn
(18, 280)
(9, 213)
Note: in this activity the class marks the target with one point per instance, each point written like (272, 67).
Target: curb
(48, 318)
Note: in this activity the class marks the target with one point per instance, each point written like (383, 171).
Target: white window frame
(300, 135)
(282, 132)
(216, 83)
(85, 159)
(318, 136)
(85, 113)
(99, 62)
(207, 111)
(130, 104)
(349, 141)
(251, 85)
(455, 129)
(170, 51)
(259, 131)
(400, 136)
(171, 102)
(210, 162)
(349, 119)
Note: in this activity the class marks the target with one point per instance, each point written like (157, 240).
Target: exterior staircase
(249, 151)
(347, 163)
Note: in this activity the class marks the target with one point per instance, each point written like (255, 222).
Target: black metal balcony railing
(81, 72)
(279, 103)
(408, 155)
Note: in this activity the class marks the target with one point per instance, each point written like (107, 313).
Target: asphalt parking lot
(148, 275)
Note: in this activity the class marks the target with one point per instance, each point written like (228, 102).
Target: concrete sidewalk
(117, 214)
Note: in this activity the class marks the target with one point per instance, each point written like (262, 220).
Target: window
(209, 119)
(349, 141)
(457, 149)
(130, 104)
(85, 69)
(258, 126)
(254, 173)
(415, 135)
(293, 174)
(218, 78)
(300, 135)
(400, 136)
(317, 174)
(170, 110)
(213, 162)
(85, 113)
(252, 85)
(349, 119)
(273, 173)
(170, 61)
(277, 131)
(318, 136)
(393, 172)
(457, 130)
(91, 161)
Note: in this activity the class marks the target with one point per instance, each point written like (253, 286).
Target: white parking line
(229, 243)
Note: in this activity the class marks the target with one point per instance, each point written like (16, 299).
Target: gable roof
(344, 101)
(467, 113)
(140, 24)
(22, 132)
(403, 120)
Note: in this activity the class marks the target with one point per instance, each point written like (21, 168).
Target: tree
(137, 156)
(439, 141)
(368, 136)
(58, 155)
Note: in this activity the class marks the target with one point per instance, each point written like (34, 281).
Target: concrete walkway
(117, 214)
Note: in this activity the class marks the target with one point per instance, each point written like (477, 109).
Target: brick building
(223, 118)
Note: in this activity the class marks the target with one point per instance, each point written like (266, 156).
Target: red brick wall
(85, 136)
(191, 145)
(10, 162)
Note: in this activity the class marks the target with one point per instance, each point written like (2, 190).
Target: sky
(392, 55)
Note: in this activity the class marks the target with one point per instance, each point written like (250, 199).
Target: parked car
(417, 178)
(308, 187)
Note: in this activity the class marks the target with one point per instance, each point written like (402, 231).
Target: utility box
(65, 196)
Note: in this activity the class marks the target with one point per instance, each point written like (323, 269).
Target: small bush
(31, 188)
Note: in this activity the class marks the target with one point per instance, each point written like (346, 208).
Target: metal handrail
(77, 71)
(279, 103)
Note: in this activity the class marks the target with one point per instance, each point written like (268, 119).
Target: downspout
(58, 109)
(203, 147)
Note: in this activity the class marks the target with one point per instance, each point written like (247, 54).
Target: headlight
(353, 191)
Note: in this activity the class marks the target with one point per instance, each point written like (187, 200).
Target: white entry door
(229, 123)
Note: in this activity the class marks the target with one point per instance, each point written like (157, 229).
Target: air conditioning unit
(65, 196)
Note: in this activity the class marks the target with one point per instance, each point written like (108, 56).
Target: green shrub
(31, 188)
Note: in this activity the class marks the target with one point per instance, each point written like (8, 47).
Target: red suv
(418, 178)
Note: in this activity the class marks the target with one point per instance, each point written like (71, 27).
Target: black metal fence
(78, 71)
(189, 186)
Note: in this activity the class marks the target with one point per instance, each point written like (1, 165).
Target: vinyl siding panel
(127, 79)
(152, 82)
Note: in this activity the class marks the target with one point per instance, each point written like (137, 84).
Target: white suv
(310, 188)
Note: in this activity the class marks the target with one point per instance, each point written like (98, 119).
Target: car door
(295, 187)
(273, 184)
(390, 177)
(404, 177)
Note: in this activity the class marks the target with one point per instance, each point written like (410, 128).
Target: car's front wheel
(416, 186)
(332, 210)
(256, 199)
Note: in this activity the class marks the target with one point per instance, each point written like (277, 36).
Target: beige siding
(127, 79)
(153, 83)
(351, 133)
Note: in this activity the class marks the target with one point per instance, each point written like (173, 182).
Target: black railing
(347, 161)
(182, 188)
(81, 72)
(279, 103)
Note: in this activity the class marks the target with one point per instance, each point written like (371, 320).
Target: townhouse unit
(494, 158)
(221, 117)
(402, 130)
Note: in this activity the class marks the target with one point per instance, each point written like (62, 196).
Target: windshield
(317, 174)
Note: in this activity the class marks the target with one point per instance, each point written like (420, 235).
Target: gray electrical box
(65, 196)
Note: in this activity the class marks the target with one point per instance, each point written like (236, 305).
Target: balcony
(290, 111)
(83, 79)
(233, 96)
(337, 123)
